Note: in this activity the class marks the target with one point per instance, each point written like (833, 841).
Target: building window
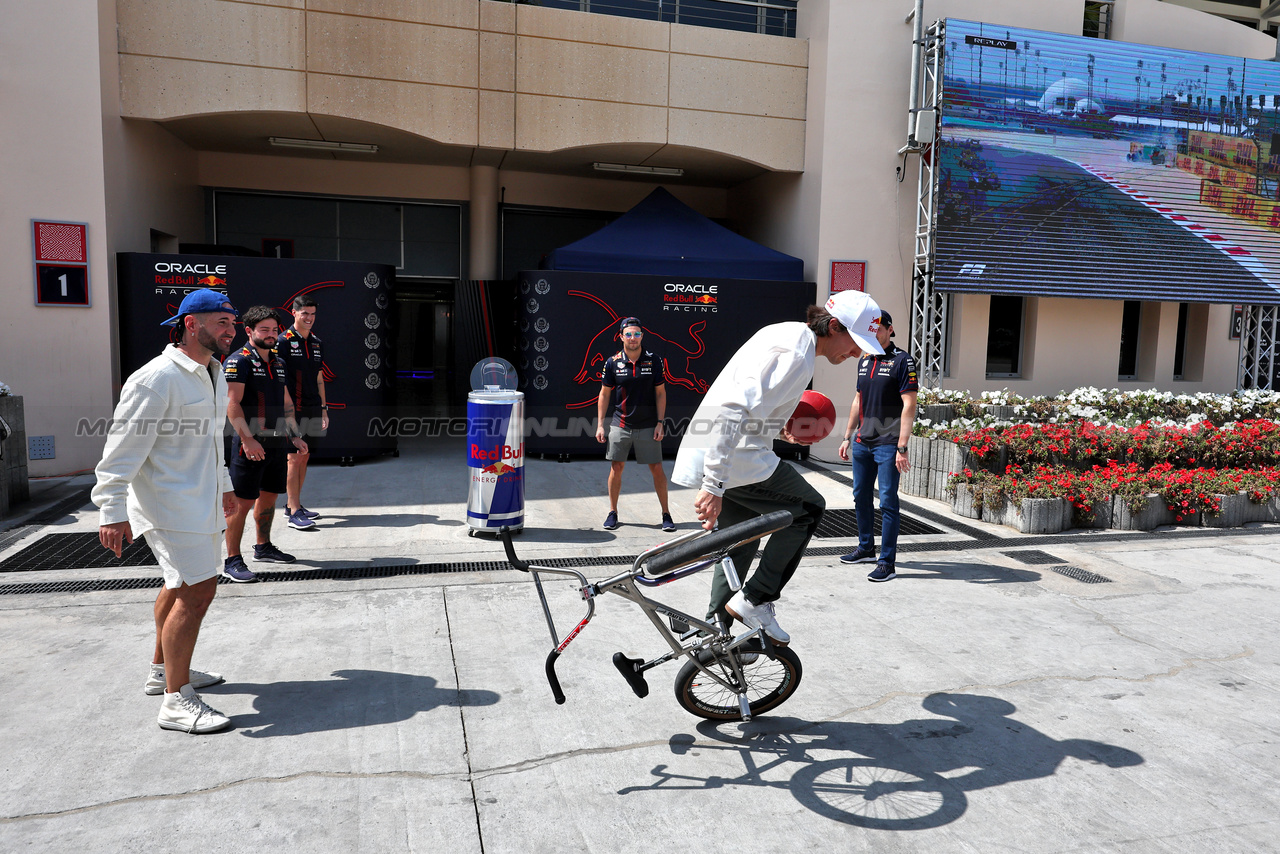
(1097, 18)
(1180, 344)
(1004, 337)
(1130, 332)
(773, 17)
(417, 238)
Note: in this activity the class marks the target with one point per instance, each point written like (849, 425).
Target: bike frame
(701, 636)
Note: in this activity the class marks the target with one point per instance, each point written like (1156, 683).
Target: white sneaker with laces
(185, 711)
(757, 617)
(156, 684)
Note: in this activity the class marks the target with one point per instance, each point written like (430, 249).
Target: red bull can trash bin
(495, 450)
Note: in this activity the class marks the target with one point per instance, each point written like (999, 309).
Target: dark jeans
(869, 465)
(785, 489)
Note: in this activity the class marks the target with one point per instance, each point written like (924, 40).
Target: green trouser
(785, 489)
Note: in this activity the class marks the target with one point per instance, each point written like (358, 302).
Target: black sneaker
(611, 521)
(667, 524)
(235, 568)
(859, 555)
(268, 553)
(882, 572)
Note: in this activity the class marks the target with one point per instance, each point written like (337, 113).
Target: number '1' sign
(61, 255)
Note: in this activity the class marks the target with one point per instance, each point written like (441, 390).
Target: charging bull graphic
(285, 310)
(680, 370)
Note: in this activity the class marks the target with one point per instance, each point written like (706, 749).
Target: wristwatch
(902, 449)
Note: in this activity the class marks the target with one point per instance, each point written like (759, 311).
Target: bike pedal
(630, 670)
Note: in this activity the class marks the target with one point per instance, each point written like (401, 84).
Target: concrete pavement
(975, 703)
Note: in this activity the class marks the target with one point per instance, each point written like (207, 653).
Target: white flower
(4, 390)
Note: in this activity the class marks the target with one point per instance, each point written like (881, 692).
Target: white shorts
(186, 558)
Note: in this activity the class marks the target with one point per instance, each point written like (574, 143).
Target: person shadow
(912, 775)
(354, 698)
(970, 573)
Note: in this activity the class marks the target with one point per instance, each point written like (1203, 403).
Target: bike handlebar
(505, 533)
(551, 677)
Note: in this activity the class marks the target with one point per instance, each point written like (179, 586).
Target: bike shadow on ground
(338, 519)
(352, 698)
(557, 535)
(912, 775)
(972, 573)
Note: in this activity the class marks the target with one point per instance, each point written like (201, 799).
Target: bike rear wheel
(770, 682)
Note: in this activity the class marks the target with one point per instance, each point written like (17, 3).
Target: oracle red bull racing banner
(495, 460)
(353, 310)
(568, 328)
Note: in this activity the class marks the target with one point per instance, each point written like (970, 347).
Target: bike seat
(714, 544)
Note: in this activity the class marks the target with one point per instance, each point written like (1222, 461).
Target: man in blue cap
(160, 476)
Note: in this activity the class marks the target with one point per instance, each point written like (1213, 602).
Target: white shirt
(162, 464)
(729, 442)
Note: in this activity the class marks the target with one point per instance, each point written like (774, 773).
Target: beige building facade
(129, 115)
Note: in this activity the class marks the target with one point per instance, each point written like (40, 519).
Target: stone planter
(1255, 512)
(965, 504)
(936, 412)
(1099, 517)
(14, 488)
(1000, 412)
(943, 462)
(1234, 510)
(1269, 510)
(1039, 515)
(1029, 515)
(1153, 514)
(920, 455)
(995, 511)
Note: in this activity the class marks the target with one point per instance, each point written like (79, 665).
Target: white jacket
(162, 466)
(729, 442)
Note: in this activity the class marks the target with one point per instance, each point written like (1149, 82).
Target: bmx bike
(724, 676)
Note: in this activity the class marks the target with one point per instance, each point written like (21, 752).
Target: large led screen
(1079, 167)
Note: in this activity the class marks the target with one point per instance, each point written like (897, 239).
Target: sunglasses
(633, 335)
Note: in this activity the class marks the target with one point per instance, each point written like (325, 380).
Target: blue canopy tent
(662, 236)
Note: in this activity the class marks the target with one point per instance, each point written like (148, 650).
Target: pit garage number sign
(61, 251)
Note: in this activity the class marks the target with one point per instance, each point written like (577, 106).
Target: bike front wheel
(770, 681)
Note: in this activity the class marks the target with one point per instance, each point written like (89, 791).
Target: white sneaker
(187, 712)
(757, 617)
(156, 684)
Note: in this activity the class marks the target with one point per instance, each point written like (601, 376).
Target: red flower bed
(1082, 445)
(1184, 491)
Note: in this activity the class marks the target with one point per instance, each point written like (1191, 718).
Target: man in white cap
(727, 451)
(161, 476)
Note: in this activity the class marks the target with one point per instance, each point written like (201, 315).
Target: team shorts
(311, 423)
(250, 478)
(623, 439)
(185, 558)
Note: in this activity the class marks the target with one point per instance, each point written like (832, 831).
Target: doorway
(424, 347)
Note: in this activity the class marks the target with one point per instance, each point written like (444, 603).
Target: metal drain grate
(844, 523)
(1033, 557)
(75, 551)
(1081, 574)
(948, 520)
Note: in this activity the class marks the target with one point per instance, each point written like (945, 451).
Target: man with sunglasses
(634, 379)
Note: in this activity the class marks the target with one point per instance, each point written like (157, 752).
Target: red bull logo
(705, 300)
(212, 282)
(499, 453)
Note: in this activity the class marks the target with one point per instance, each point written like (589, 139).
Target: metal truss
(1259, 329)
(929, 308)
